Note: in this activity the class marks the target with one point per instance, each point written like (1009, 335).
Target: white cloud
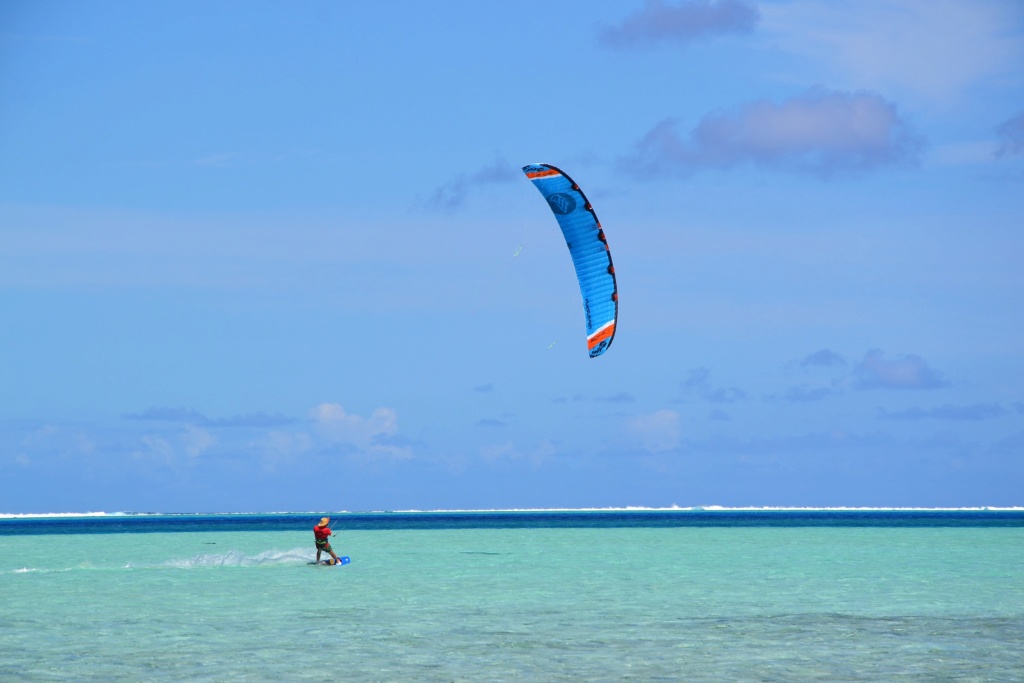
(196, 440)
(333, 420)
(658, 431)
(936, 48)
(820, 132)
(373, 435)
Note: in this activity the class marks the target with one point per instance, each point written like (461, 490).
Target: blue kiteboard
(331, 563)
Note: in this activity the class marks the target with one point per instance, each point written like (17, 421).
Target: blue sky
(265, 256)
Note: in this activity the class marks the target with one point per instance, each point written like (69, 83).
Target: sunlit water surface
(805, 603)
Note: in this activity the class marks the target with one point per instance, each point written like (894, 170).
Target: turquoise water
(515, 604)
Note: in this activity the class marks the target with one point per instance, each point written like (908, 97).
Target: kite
(588, 248)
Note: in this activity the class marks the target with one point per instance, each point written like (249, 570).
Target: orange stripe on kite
(546, 173)
(601, 335)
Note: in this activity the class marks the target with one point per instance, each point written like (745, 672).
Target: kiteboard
(331, 563)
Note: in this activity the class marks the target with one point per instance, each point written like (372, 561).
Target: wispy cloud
(792, 444)
(658, 431)
(155, 448)
(976, 411)
(280, 448)
(167, 415)
(453, 194)
(685, 22)
(189, 441)
(725, 395)
(803, 393)
(823, 358)
(698, 377)
(620, 397)
(699, 381)
(935, 48)
(72, 443)
(258, 419)
(905, 371)
(821, 132)
(194, 417)
(509, 451)
(197, 441)
(1011, 136)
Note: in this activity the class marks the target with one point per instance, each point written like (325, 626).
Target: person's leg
(330, 550)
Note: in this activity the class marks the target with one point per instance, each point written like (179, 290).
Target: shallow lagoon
(542, 603)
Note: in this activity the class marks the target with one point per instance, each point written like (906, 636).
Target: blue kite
(589, 250)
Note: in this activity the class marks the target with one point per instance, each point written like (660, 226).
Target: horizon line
(674, 508)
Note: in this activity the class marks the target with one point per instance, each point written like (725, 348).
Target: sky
(261, 256)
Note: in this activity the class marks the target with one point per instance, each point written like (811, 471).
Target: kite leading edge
(588, 248)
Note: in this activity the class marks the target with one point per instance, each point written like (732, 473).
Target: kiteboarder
(320, 532)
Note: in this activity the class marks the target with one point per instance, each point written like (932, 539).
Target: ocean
(644, 595)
